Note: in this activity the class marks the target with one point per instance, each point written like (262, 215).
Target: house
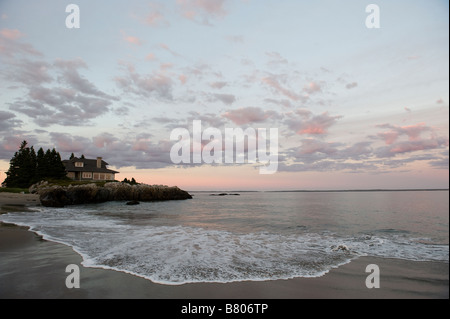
(88, 169)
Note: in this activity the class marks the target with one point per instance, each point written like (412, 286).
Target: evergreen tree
(72, 156)
(27, 167)
(58, 170)
(41, 166)
(22, 167)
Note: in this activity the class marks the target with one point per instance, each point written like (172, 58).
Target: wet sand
(31, 267)
(8, 200)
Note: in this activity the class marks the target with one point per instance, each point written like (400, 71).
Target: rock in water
(133, 202)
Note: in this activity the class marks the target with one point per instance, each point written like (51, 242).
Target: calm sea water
(254, 236)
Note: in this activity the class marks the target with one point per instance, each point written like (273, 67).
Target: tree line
(28, 167)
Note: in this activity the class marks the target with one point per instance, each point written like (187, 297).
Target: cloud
(326, 166)
(202, 11)
(156, 16)
(312, 87)
(413, 132)
(11, 34)
(75, 111)
(235, 38)
(150, 57)
(249, 115)
(10, 143)
(11, 46)
(273, 81)
(318, 155)
(157, 84)
(67, 143)
(442, 163)
(168, 49)
(29, 72)
(311, 124)
(276, 59)
(218, 84)
(351, 85)
(412, 146)
(139, 151)
(75, 81)
(67, 99)
(132, 40)
(208, 119)
(280, 102)
(183, 78)
(227, 99)
(311, 146)
(8, 121)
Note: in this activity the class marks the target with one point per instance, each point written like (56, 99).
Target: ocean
(251, 237)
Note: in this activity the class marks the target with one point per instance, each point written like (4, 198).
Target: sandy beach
(31, 267)
(18, 200)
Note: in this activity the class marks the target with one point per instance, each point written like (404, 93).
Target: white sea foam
(182, 254)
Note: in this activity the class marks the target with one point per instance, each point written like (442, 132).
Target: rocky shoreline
(60, 196)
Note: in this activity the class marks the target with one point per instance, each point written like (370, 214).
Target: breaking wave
(179, 254)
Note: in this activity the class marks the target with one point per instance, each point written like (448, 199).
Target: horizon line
(326, 190)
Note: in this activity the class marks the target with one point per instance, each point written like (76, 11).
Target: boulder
(55, 197)
(58, 196)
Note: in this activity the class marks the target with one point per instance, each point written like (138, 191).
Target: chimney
(99, 162)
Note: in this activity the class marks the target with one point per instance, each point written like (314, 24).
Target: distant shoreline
(327, 190)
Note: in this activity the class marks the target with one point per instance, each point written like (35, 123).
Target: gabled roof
(89, 165)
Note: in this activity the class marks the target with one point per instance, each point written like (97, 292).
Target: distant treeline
(131, 182)
(28, 167)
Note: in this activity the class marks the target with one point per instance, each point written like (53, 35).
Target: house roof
(89, 165)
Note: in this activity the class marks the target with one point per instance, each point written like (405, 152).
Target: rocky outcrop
(60, 196)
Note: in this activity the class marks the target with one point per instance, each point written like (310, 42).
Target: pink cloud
(68, 143)
(413, 132)
(131, 39)
(312, 125)
(11, 34)
(389, 137)
(312, 87)
(104, 140)
(150, 57)
(412, 146)
(10, 44)
(182, 78)
(141, 144)
(273, 82)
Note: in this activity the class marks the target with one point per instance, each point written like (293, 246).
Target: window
(86, 175)
(79, 164)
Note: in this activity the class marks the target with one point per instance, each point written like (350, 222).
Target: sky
(354, 107)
